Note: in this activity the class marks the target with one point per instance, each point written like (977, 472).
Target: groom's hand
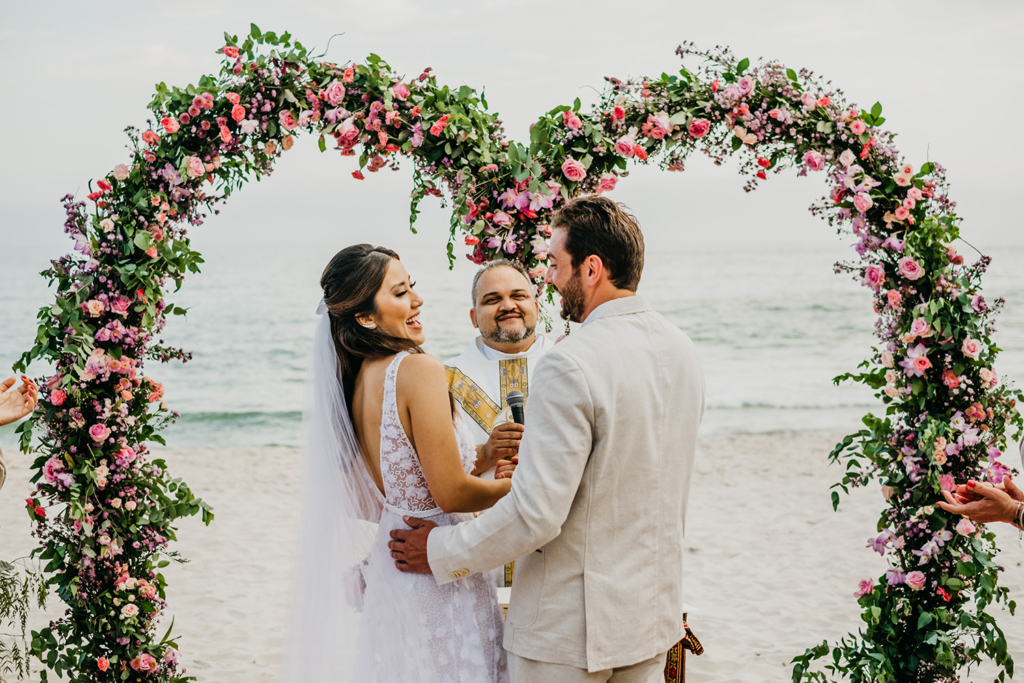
(409, 546)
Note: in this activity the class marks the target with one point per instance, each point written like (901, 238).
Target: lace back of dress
(405, 486)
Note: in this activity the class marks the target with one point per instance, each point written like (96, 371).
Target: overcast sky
(947, 73)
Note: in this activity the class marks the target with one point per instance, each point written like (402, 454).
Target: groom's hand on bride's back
(409, 546)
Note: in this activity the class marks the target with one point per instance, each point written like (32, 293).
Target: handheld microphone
(516, 401)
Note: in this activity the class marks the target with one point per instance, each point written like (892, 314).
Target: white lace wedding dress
(412, 630)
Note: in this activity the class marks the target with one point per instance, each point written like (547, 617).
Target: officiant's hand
(409, 546)
(502, 444)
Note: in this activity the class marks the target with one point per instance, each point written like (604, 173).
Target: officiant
(498, 361)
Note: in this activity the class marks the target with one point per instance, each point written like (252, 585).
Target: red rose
(350, 73)
(640, 152)
(95, 195)
(40, 512)
(230, 51)
(763, 163)
(698, 128)
(472, 240)
(103, 185)
(761, 175)
(358, 175)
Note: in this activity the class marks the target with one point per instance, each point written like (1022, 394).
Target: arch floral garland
(104, 511)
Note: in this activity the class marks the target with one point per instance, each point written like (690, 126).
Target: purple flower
(895, 576)
(878, 544)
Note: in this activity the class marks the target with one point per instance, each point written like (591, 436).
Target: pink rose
(920, 328)
(894, 297)
(946, 482)
(149, 137)
(571, 120)
(901, 214)
(857, 126)
(538, 271)
(965, 527)
(902, 179)
(99, 433)
(400, 91)
(921, 364)
(847, 157)
(624, 146)
(887, 360)
(230, 51)
(916, 580)
(225, 134)
(287, 120)
(910, 269)
(94, 308)
(660, 126)
(58, 397)
(348, 133)
(698, 128)
(814, 160)
(120, 172)
(233, 97)
(170, 125)
(989, 378)
(103, 663)
(503, 219)
(907, 169)
(874, 276)
(196, 169)
(120, 304)
(862, 201)
(171, 656)
(746, 85)
(808, 100)
(573, 170)
(335, 93)
(971, 348)
(607, 183)
(915, 194)
(238, 112)
(865, 587)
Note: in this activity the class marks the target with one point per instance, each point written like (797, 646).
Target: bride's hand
(506, 468)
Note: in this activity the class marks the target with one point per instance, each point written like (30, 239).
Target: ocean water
(773, 325)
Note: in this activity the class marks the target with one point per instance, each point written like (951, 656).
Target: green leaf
(255, 32)
(876, 110)
(742, 66)
(322, 144)
(792, 75)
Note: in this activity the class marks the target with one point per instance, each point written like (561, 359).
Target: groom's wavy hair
(350, 283)
(597, 226)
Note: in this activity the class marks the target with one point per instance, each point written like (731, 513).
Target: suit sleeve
(3, 469)
(552, 457)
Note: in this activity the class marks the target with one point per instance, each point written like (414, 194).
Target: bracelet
(1020, 525)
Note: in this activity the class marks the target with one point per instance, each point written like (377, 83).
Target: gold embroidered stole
(512, 376)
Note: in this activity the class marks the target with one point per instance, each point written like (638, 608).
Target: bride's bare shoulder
(421, 369)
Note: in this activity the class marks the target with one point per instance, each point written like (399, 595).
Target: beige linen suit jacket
(597, 509)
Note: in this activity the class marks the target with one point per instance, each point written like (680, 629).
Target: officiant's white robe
(598, 503)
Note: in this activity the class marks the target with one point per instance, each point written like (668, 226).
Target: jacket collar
(625, 306)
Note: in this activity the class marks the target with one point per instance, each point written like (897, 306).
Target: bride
(383, 443)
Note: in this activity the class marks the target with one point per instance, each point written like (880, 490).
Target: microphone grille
(515, 398)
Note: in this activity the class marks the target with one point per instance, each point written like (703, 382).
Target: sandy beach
(771, 569)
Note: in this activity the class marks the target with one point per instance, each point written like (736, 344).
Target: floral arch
(104, 511)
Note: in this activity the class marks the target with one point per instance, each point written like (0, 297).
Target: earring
(371, 326)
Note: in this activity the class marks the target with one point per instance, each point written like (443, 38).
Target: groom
(598, 503)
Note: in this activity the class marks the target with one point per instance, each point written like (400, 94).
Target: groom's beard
(572, 298)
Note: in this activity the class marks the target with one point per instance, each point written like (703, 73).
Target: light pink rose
(847, 157)
(94, 308)
(891, 391)
(865, 587)
(171, 656)
(120, 172)
(916, 580)
(891, 376)
(170, 124)
(503, 219)
(989, 378)
(196, 168)
(887, 360)
(573, 170)
(400, 91)
(348, 132)
(901, 214)
(907, 169)
(99, 433)
(660, 126)
(946, 482)
(888, 491)
(607, 183)
(538, 271)
(915, 194)
(624, 146)
(287, 120)
(920, 328)
(334, 93)
(971, 348)
(862, 201)
(874, 276)
(965, 527)
(808, 100)
(910, 269)
(814, 160)
(107, 225)
(894, 297)
(746, 85)
(120, 304)
(901, 179)
(857, 126)
(698, 128)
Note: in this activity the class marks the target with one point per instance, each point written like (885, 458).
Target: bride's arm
(423, 398)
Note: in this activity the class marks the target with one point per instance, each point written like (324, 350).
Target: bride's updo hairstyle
(350, 283)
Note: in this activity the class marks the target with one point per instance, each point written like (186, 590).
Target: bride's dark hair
(350, 283)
